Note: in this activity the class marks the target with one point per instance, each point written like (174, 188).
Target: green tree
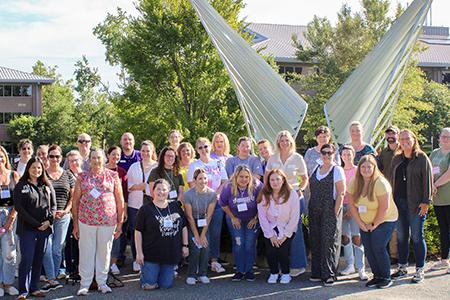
(56, 125)
(174, 76)
(338, 50)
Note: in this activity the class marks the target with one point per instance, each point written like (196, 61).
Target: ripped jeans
(244, 246)
(8, 250)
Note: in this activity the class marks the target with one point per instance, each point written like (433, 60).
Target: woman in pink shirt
(278, 213)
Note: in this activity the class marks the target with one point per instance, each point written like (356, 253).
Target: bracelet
(185, 245)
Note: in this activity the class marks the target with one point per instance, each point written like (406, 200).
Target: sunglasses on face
(203, 147)
(84, 141)
(329, 153)
(54, 156)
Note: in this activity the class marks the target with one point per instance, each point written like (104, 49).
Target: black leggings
(443, 218)
(278, 258)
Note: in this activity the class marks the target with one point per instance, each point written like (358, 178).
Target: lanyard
(160, 213)
(142, 169)
(170, 178)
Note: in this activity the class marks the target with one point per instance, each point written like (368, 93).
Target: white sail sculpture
(370, 93)
(268, 103)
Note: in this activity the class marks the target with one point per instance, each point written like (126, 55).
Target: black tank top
(7, 192)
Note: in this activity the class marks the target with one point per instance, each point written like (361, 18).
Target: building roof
(276, 40)
(8, 75)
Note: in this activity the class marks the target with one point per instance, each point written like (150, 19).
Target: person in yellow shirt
(373, 208)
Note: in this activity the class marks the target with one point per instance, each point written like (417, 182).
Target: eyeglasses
(84, 141)
(329, 153)
(203, 147)
(54, 156)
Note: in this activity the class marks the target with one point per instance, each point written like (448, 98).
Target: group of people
(173, 206)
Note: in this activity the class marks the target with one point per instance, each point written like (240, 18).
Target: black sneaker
(237, 277)
(223, 262)
(328, 282)
(249, 276)
(372, 283)
(401, 273)
(50, 287)
(384, 283)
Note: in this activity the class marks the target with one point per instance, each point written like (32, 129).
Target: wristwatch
(186, 245)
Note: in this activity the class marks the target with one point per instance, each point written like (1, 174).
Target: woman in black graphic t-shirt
(161, 238)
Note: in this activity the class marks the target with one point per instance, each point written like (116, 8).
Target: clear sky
(59, 32)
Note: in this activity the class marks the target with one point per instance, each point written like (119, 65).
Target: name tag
(5, 194)
(201, 222)
(168, 223)
(362, 209)
(122, 161)
(436, 170)
(173, 194)
(242, 207)
(95, 193)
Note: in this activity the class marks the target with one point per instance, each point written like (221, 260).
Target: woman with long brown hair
(412, 181)
(372, 207)
(278, 214)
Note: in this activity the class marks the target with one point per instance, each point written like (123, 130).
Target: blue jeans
(375, 245)
(407, 221)
(53, 253)
(215, 230)
(153, 273)
(244, 246)
(8, 254)
(33, 244)
(298, 249)
(350, 229)
(117, 247)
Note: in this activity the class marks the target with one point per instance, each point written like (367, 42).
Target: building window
(15, 90)
(6, 117)
(446, 79)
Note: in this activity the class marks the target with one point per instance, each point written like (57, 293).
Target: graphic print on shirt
(213, 176)
(169, 225)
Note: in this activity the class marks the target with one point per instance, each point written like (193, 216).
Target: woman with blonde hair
(293, 165)
(357, 142)
(220, 148)
(278, 214)
(238, 200)
(412, 181)
(8, 181)
(373, 208)
(186, 155)
(175, 138)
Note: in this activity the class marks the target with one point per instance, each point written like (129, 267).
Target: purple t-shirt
(126, 161)
(228, 199)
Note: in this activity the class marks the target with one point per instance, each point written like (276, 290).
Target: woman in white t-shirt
(327, 185)
(137, 187)
(217, 176)
(293, 165)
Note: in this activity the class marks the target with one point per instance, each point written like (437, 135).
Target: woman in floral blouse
(97, 218)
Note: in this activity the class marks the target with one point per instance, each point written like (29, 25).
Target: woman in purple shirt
(238, 200)
(278, 213)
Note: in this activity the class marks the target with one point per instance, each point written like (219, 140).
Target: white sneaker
(10, 290)
(217, 267)
(83, 291)
(440, 265)
(285, 278)
(115, 269)
(190, 280)
(362, 274)
(297, 272)
(43, 278)
(203, 279)
(104, 288)
(350, 269)
(2, 292)
(136, 267)
(272, 278)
